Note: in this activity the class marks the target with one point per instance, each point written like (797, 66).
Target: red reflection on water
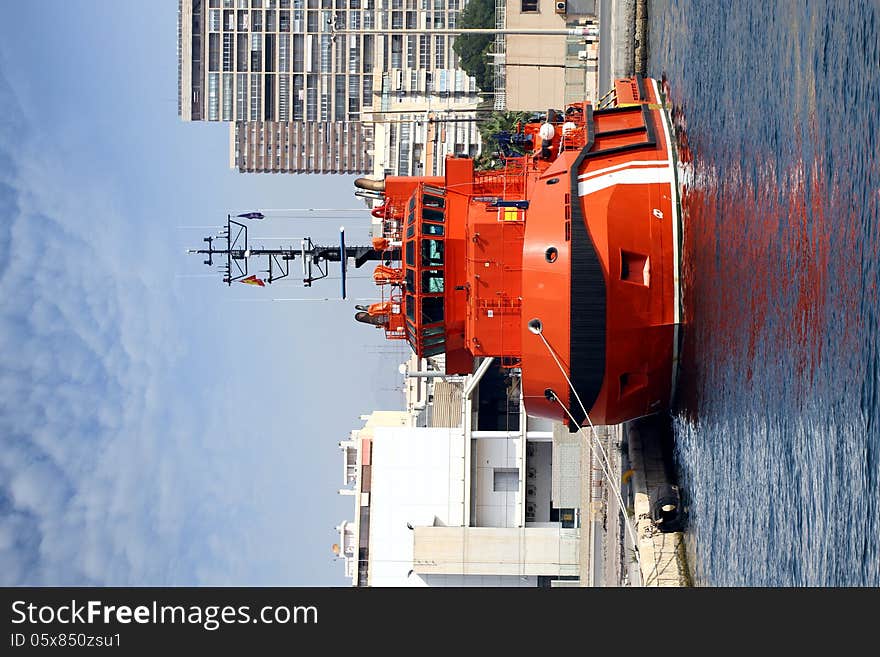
(757, 274)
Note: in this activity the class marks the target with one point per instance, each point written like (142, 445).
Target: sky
(158, 427)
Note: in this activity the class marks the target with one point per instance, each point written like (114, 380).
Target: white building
(454, 505)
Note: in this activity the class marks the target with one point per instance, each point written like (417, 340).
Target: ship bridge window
(432, 214)
(432, 310)
(410, 220)
(411, 307)
(432, 253)
(411, 231)
(411, 253)
(411, 280)
(433, 350)
(433, 330)
(434, 340)
(436, 191)
(431, 229)
(432, 281)
(412, 203)
(431, 201)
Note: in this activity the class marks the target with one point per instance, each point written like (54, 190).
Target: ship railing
(507, 181)
(574, 130)
(392, 214)
(395, 329)
(608, 100)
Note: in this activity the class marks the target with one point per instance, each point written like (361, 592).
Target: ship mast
(232, 252)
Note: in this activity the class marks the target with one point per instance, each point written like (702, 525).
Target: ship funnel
(372, 185)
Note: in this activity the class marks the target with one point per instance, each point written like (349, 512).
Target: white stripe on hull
(625, 165)
(629, 176)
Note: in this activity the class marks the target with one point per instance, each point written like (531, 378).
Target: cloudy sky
(157, 427)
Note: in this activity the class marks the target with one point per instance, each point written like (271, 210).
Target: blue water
(778, 421)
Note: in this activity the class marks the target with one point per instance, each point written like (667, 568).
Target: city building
(465, 501)
(536, 70)
(303, 83)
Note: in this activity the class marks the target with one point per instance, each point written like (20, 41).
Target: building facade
(457, 503)
(537, 70)
(311, 71)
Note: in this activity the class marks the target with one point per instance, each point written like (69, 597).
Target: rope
(604, 462)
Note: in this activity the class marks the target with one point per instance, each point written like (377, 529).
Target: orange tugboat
(564, 263)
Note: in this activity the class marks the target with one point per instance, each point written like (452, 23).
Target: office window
(213, 96)
(228, 52)
(256, 52)
(528, 6)
(241, 98)
(424, 51)
(339, 98)
(213, 52)
(505, 480)
(227, 96)
(298, 98)
(283, 53)
(411, 51)
(256, 97)
(439, 52)
(269, 98)
(311, 98)
(241, 56)
(396, 51)
(298, 53)
(283, 98)
(326, 54)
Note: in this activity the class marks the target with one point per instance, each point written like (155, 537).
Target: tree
(473, 49)
(489, 127)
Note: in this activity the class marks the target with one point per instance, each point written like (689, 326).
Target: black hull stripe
(588, 302)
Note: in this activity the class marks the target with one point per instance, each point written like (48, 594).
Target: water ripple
(777, 433)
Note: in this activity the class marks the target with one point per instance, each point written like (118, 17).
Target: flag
(252, 215)
(253, 280)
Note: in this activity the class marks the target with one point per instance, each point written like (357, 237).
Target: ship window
(432, 214)
(412, 202)
(431, 229)
(411, 231)
(432, 253)
(411, 307)
(433, 351)
(411, 253)
(437, 339)
(433, 330)
(411, 218)
(432, 281)
(431, 201)
(432, 310)
(437, 191)
(411, 280)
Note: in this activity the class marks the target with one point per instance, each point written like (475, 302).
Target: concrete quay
(662, 553)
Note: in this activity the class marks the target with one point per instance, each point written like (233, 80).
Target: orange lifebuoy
(379, 212)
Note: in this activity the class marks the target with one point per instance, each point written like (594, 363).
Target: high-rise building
(292, 76)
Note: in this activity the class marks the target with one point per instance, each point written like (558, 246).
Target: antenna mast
(231, 250)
